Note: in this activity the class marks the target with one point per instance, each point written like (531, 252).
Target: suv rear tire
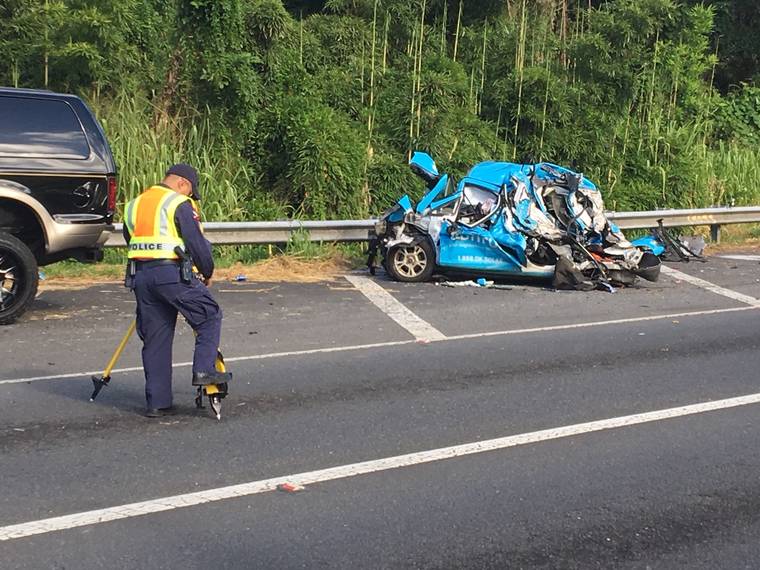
(19, 278)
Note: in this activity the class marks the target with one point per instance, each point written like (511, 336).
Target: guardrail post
(715, 233)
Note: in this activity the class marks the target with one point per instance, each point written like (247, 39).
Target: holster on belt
(185, 265)
(129, 278)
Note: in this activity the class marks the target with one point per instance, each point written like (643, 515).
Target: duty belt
(155, 262)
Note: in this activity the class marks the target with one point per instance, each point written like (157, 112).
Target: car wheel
(411, 263)
(18, 278)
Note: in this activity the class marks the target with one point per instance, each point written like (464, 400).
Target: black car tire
(411, 263)
(19, 278)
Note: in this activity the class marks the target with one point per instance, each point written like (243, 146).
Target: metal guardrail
(695, 217)
(241, 233)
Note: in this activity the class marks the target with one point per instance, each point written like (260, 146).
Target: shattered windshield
(477, 204)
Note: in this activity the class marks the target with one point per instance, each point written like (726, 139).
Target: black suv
(57, 189)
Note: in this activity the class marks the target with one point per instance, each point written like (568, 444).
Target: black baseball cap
(187, 172)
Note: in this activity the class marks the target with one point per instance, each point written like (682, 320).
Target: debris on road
(289, 487)
(480, 283)
(670, 247)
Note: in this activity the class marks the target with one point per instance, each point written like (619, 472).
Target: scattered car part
(662, 243)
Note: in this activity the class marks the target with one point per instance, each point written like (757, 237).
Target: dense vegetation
(309, 108)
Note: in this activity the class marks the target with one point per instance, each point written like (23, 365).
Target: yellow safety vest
(150, 221)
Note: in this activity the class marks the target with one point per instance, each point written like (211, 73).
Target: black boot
(160, 412)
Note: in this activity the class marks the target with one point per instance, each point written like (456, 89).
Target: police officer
(157, 222)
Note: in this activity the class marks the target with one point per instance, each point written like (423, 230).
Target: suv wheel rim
(410, 261)
(10, 282)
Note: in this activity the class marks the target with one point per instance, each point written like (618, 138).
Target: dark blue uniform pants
(160, 296)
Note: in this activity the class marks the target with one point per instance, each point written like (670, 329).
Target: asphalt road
(499, 392)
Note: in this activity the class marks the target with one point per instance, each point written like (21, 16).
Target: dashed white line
(388, 304)
(712, 287)
(87, 518)
(452, 338)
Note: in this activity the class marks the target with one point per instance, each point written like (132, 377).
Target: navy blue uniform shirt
(196, 244)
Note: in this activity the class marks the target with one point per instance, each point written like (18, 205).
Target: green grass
(144, 147)
(731, 175)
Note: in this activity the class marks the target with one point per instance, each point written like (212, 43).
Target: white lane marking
(741, 257)
(600, 323)
(735, 295)
(388, 304)
(352, 470)
(348, 348)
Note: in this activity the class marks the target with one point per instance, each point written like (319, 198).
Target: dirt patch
(282, 268)
(749, 247)
(74, 283)
(51, 315)
(288, 268)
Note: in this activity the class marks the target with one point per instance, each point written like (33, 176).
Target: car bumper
(62, 237)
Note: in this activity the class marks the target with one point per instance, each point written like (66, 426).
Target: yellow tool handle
(119, 350)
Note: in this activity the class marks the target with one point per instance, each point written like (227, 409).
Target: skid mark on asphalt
(131, 510)
(735, 295)
(388, 304)
(553, 328)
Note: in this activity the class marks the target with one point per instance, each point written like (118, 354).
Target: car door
(466, 242)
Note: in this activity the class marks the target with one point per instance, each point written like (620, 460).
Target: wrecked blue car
(506, 220)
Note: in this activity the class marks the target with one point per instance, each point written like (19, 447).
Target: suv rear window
(40, 128)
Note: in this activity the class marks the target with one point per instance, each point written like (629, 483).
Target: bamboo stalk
(471, 96)
(673, 99)
(576, 34)
(364, 49)
(563, 34)
(521, 67)
(419, 69)
(504, 147)
(300, 45)
(443, 27)
(627, 130)
(385, 41)
(372, 62)
(546, 106)
(482, 69)
(367, 198)
(414, 95)
(456, 35)
(709, 97)
(650, 104)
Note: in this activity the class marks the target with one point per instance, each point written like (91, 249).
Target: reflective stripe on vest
(150, 221)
